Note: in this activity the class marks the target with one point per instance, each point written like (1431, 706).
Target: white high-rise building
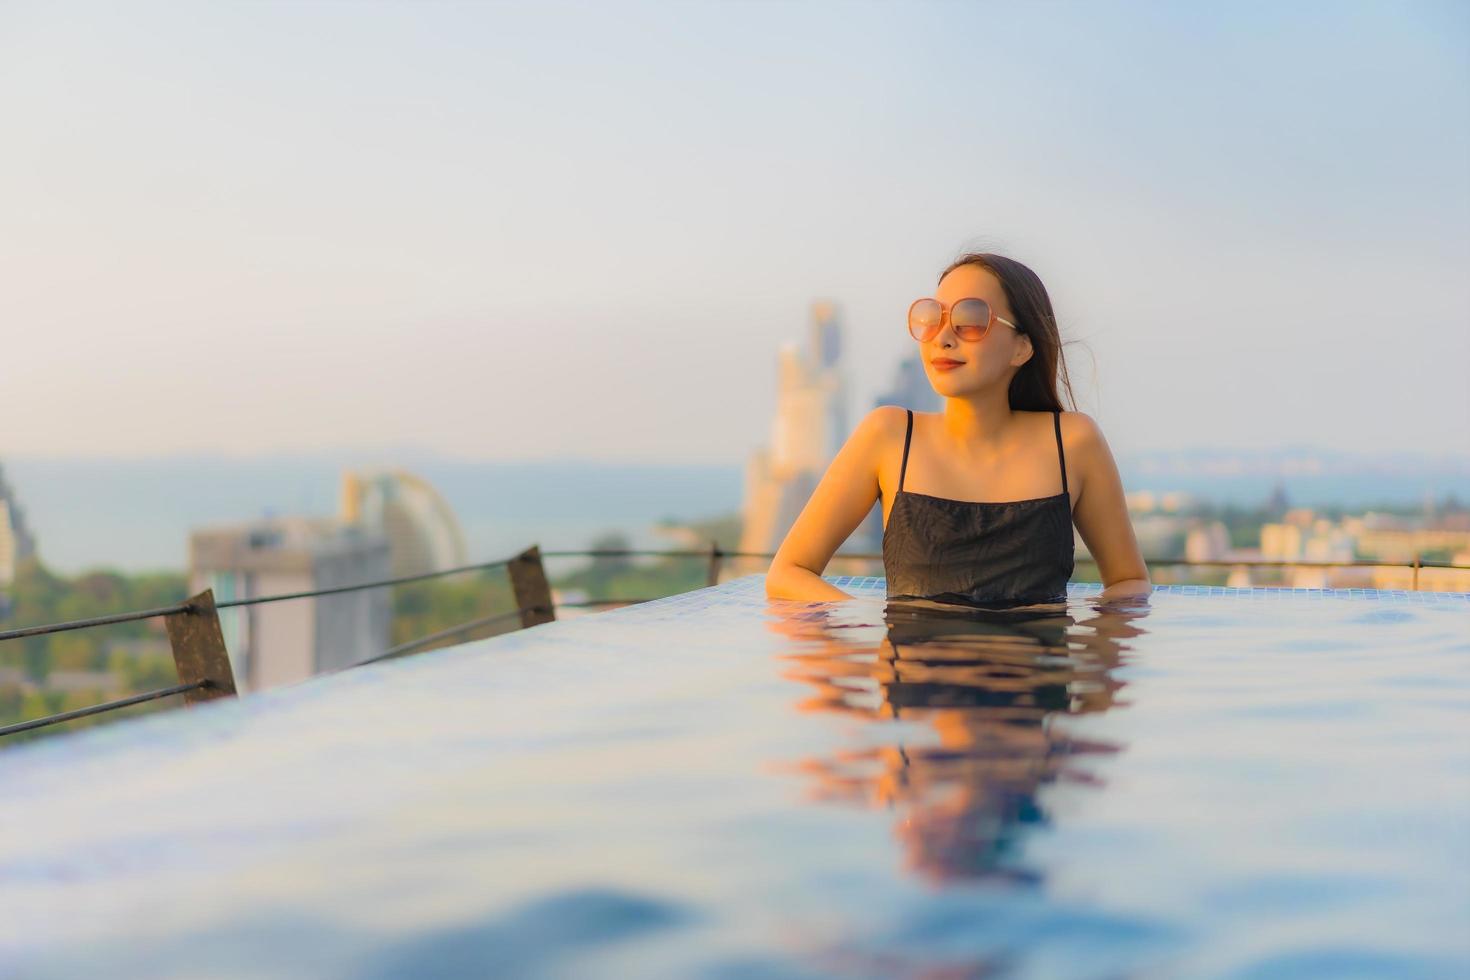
(282, 642)
(810, 425)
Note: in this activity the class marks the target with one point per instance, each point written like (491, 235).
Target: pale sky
(507, 231)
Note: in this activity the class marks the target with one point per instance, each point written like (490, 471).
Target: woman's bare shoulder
(883, 421)
(1080, 429)
(878, 431)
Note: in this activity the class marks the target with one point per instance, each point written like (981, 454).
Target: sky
(520, 231)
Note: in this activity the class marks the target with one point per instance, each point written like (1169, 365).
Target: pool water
(1216, 783)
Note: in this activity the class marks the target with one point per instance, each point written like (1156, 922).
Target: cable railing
(203, 665)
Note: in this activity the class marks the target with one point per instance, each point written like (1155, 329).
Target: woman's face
(987, 361)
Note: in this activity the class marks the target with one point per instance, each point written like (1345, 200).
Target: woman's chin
(949, 387)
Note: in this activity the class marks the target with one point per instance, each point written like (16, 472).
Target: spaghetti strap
(1061, 458)
(986, 553)
(906, 435)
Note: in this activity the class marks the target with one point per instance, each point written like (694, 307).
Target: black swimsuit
(1009, 552)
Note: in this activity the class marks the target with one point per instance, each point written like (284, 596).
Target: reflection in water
(961, 703)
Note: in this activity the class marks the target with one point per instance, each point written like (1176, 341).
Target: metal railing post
(1416, 571)
(199, 649)
(532, 591)
(714, 562)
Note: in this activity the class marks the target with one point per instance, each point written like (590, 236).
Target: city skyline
(134, 514)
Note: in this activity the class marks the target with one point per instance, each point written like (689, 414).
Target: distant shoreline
(134, 515)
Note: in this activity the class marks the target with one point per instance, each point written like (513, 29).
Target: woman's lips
(944, 364)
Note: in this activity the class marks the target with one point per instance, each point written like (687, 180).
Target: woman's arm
(1101, 513)
(837, 506)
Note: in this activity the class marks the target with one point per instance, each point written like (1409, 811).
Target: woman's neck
(978, 422)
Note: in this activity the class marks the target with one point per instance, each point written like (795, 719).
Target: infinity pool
(1219, 783)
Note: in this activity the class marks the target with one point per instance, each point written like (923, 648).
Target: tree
(605, 568)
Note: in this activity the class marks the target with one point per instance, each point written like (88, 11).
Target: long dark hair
(1034, 388)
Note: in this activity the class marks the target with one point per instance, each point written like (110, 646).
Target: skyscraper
(809, 427)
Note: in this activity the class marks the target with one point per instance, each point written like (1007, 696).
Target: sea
(136, 514)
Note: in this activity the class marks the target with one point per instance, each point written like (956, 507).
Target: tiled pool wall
(876, 585)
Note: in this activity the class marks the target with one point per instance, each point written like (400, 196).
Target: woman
(978, 499)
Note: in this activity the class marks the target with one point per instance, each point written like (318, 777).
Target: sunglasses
(971, 318)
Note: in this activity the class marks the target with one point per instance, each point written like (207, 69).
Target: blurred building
(1207, 542)
(1239, 576)
(16, 542)
(1176, 500)
(809, 427)
(1391, 538)
(423, 533)
(1281, 542)
(1149, 501)
(1157, 534)
(1303, 536)
(910, 389)
(1140, 501)
(1328, 542)
(282, 642)
(1278, 502)
(1429, 579)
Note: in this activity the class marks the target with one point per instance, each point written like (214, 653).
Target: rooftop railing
(203, 664)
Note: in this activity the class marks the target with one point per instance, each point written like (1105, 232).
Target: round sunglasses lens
(924, 317)
(970, 318)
